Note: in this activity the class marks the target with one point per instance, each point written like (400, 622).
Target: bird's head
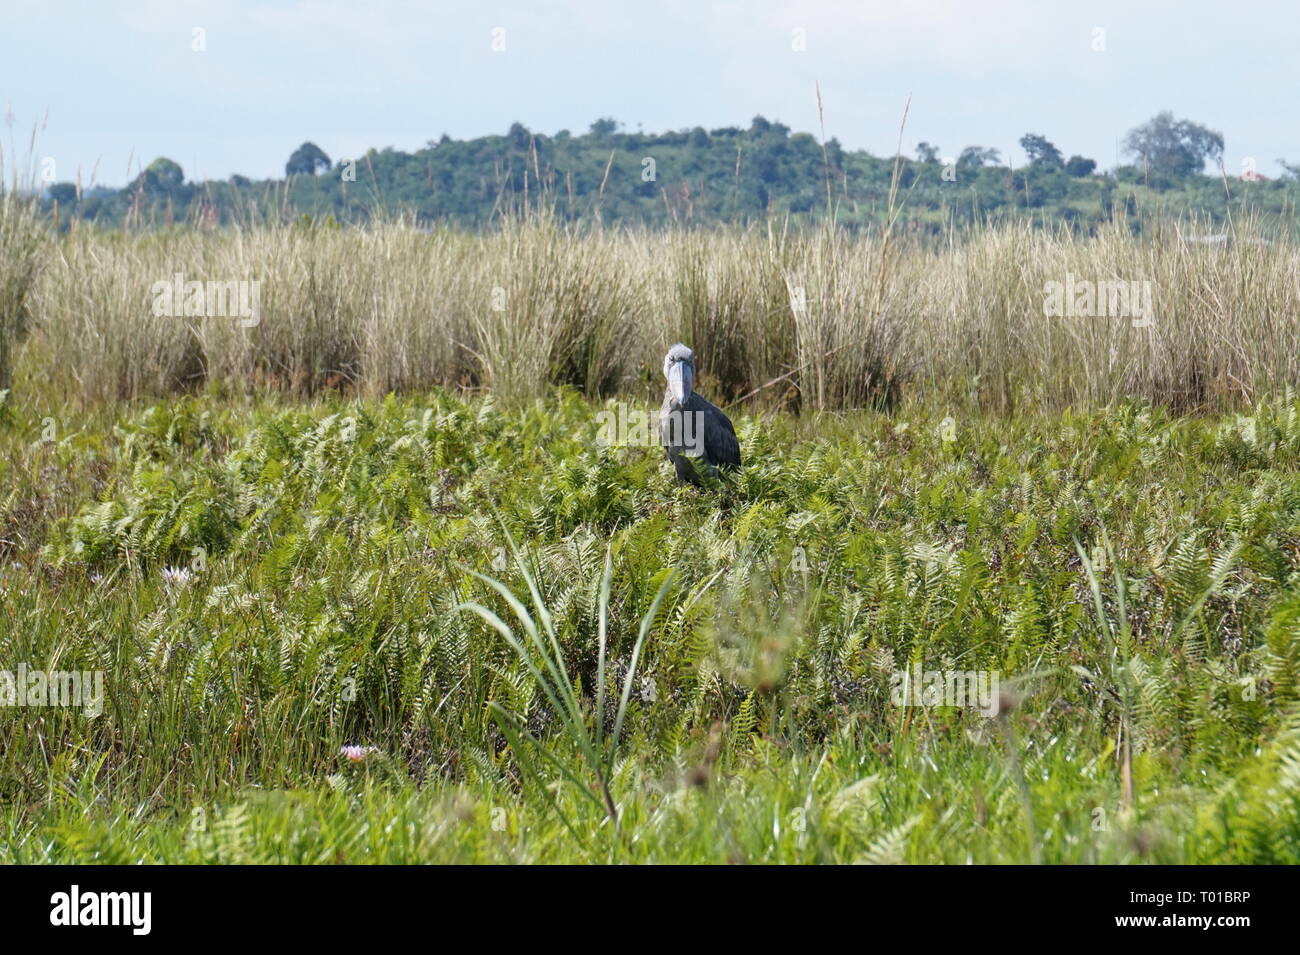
(679, 369)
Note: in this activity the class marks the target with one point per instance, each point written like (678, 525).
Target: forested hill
(704, 177)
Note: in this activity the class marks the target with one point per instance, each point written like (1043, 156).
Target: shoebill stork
(697, 436)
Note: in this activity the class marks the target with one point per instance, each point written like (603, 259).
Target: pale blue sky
(120, 79)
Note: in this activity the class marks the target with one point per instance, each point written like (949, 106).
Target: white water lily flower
(177, 575)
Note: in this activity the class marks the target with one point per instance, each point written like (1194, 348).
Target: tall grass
(20, 241)
(544, 658)
(821, 317)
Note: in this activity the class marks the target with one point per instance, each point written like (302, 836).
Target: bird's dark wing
(721, 447)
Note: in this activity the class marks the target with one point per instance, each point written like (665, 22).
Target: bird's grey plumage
(690, 426)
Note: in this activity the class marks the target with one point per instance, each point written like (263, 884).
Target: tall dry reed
(826, 319)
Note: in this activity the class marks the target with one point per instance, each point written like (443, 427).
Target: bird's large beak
(679, 382)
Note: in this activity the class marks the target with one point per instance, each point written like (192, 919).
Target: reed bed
(815, 319)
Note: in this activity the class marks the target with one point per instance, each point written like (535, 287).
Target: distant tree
(307, 160)
(241, 182)
(604, 127)
(64, 193)
(926, 153)
(1173, 147)
(519, 135)
(699, 138)
(1078, 167)
(1040, 150)
(972, 157)
(162, 177)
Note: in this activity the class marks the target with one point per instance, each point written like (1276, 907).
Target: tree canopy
(1040, 151)
(1173, 147)
(732, 174)
(307, 160)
